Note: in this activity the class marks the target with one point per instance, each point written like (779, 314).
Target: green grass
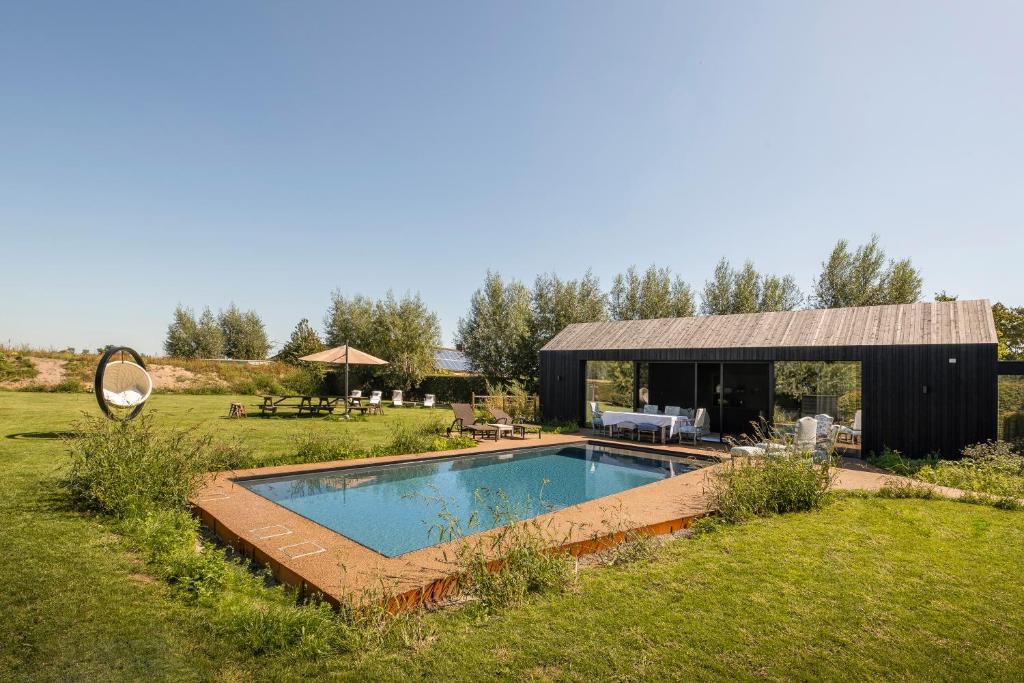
(865, 588)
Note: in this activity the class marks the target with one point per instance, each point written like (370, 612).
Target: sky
(268, 154)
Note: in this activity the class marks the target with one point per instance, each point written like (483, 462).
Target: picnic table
(314, 405)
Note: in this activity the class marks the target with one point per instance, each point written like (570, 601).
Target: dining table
(670, 424)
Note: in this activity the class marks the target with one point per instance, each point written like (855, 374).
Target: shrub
(170, 540)
(404, 439)
(451, 388)
(305, 379)
(992, 467)
(14, 366)
(318, 448)
(561, 427)
(1013, 427)
(849, 404)
(68, 385)
(271, 626)
(124, 468)
(906, 489)
(635, 546)
(506, 566)
(993, 450)
(784, 482)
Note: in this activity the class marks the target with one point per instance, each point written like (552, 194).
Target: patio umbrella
(343, 355)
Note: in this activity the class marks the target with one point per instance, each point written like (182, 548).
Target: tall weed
(994, 468)
(784, 482)
(126, 468)
(517, 559)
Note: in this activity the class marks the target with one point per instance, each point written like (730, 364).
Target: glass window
(610, 385)
(1011, 408)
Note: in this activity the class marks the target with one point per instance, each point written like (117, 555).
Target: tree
(1010, 331)
(556, 304)
(865, 277)
(406, 335)
(244, 334)
(945, 296)
(209, 340)
(304, 340)
(404, 332)
(350, 320)
(495, 333)
(181, 334)
(747, 291)
(655, 294)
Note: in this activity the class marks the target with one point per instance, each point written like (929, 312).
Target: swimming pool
(396, 508)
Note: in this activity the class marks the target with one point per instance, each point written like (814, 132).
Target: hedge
(451, 388)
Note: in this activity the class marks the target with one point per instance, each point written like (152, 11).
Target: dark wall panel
(959, 407)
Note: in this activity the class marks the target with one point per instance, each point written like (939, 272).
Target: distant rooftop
(940, 322)
(452, 360)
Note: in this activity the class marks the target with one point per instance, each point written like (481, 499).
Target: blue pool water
(394, 509)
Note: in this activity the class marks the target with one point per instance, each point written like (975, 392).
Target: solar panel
(450, 359)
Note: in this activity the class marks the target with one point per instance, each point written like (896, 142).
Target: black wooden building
(929, 371)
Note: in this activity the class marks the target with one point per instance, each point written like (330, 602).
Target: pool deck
(316, 559)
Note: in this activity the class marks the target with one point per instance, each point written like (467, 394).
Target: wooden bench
(314, 405)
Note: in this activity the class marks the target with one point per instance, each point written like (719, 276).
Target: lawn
(866, 588)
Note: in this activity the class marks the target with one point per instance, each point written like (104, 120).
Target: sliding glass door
(746, 396)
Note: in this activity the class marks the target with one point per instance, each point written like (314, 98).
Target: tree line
(508, 321)
(400, 330)
(232, 333)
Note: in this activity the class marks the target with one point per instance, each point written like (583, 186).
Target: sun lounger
(467, 421)
(501, 417)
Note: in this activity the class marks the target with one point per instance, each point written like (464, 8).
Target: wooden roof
(940, 322)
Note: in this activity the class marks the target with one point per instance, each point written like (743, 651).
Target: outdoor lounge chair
(805, 440)
(853, 431)
(467, 421)
(501, 417)
(428, 401)
(375, 406)
(697, 428)
(396, 398)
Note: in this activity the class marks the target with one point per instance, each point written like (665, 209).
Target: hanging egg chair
(122, 385)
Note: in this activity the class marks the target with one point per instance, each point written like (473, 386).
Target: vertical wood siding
(958, 409)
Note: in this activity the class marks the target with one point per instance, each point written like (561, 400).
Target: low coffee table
(503, 429)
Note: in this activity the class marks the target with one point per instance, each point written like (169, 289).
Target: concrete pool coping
(317, 560)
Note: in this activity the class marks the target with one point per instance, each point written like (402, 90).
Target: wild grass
(870, 589)
(512, 562)
(15, 366)
(129, 468)
(141, 475)
(786, 481)
(992, 468)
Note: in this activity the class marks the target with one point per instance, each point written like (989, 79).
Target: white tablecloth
(673, 422)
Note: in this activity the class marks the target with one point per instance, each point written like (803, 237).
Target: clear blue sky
(267, 153)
